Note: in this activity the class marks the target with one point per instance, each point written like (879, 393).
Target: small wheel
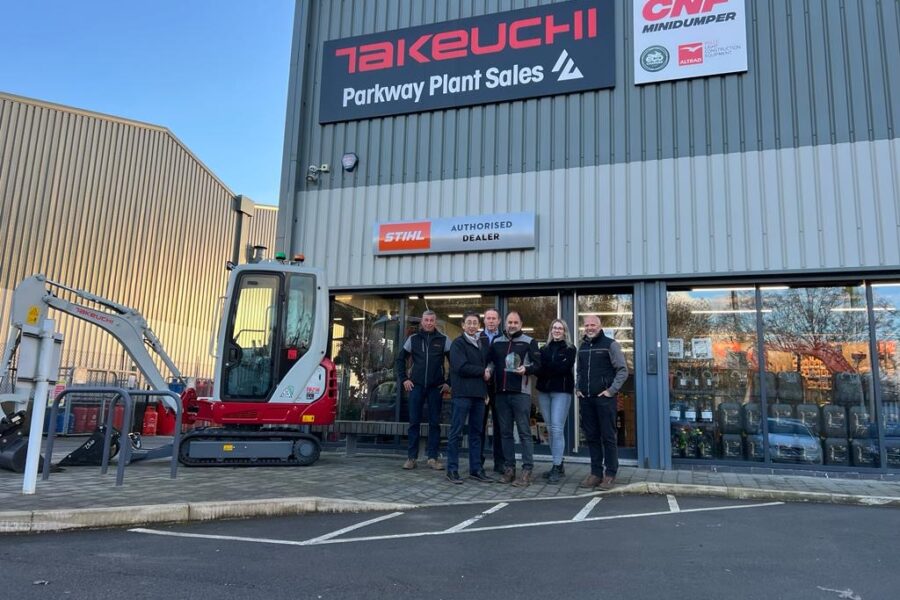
(306, 451)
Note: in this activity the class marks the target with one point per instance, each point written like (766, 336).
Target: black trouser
(496, 438)
(598, 420)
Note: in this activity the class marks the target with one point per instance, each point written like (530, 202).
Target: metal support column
(651, 373)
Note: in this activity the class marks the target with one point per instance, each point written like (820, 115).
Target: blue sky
(215, 72)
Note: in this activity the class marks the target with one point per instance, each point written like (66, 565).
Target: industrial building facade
(728, 201)
(124, 210)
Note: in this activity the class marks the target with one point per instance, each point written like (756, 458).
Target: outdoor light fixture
(349, 161)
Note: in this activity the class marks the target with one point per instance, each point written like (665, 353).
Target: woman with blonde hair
(555, 384)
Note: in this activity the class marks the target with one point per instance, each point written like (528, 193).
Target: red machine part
(318, 412)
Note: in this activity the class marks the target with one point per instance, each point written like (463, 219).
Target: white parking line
(673, 503)
(476, 518)
(236, 538)
(584, 512)
(334, 534)
(312, 542)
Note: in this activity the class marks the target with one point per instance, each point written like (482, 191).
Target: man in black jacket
(468, 377)
(425, 383)
(488, 334)
(515, 359)
(601, 371)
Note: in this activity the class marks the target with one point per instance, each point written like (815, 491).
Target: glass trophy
(513, 361)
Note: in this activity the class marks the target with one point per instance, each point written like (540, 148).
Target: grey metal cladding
(119, 208)
(820, 72)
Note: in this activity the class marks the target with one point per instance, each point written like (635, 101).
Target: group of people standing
(492, 371)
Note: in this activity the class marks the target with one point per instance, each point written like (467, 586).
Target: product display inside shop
(814, 388)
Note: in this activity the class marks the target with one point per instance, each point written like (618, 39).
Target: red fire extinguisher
(150, 420)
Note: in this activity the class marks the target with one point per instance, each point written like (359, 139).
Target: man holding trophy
(514, 359)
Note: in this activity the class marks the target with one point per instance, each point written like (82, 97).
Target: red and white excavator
(272, 378)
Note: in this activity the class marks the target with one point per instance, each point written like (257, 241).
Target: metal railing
(118, 394)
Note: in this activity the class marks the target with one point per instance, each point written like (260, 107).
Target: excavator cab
(268, 331)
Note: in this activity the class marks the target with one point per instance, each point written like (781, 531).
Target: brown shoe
(509, 475)
(591, 481)
(435, 464)
(524, 479)
(608, 483)
(409, 464)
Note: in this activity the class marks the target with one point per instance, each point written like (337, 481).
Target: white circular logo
(654, 58)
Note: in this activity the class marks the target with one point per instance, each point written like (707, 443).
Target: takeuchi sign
(544, 50)
(508, 231)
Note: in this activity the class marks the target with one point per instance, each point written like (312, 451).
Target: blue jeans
(515, 409)
(417, 397)
(471, 409)
(555, 408)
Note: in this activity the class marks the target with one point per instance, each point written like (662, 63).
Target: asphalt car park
(450, 520)
(594, 546)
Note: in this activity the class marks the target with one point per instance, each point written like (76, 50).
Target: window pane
(714, 404)
(818, 372)
(365, 340)
(248, 343)
(886, 297)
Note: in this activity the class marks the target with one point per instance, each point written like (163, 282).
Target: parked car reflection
(790, 441)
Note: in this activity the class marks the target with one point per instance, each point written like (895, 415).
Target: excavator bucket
(14, 442)
(90, 453)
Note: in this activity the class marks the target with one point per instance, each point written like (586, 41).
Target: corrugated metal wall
(820, 72)
(262, 228)
(119, 208)
(790, 167)
(833, 207)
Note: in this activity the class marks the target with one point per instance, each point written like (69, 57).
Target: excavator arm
(33, 298)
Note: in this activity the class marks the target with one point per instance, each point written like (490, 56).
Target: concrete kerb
(40, 521)
(739, 493)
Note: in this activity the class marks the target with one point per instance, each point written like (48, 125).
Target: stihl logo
(460, 43)
(568, 68)
(690, 54)
(404, 236)
(654, 10)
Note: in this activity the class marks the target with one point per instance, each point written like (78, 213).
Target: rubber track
(236, 435)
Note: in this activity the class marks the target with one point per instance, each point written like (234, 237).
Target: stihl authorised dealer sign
(506, 231)
(542, 51)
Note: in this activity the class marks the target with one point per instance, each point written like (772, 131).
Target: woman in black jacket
(555, 385)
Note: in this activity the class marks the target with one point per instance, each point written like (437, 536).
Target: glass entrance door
(617, 320)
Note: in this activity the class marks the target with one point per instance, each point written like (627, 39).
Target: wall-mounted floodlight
(349, 161)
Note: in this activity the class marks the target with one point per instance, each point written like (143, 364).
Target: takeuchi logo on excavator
(94, 315)
(517, 34)
(404, 236)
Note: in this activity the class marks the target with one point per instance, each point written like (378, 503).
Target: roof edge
(117, 119)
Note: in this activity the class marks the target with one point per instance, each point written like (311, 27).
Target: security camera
(312, 174)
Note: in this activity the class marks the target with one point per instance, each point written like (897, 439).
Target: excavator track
(224, 447)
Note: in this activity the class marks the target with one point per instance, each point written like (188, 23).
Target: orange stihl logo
(404, 236)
